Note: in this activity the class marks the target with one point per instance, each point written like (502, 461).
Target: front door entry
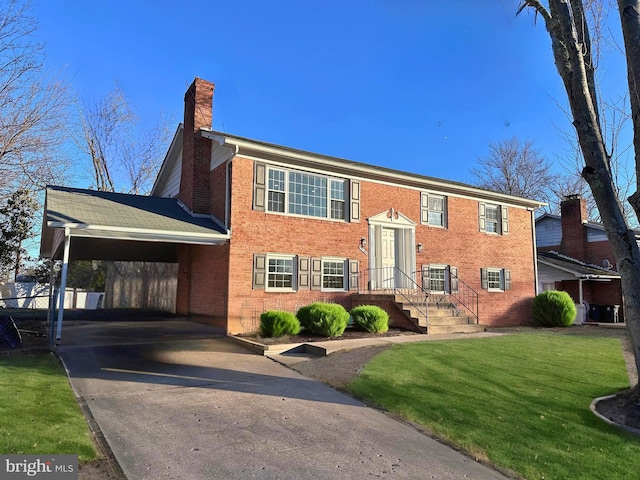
(388, 257)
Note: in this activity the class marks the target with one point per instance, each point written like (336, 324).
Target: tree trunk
(566, 23)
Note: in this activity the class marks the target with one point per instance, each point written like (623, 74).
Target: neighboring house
(575, 256)
(290, 227)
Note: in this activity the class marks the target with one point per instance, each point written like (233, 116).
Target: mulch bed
(350, 333)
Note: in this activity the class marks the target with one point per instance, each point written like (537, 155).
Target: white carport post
(52, 307)
(580, 297)
(63, 283)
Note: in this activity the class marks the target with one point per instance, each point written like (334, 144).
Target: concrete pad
(206, 408)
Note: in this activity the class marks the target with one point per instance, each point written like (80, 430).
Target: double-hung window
(280, 273)
(333, 274)
(337, 199)
(491, 218)
(433, 210)
(308, 194)
(496, 279)
(494, 219)
(277, 191)
(437, 278)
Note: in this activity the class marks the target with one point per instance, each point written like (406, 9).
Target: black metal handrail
(395, 280)
(458, 293)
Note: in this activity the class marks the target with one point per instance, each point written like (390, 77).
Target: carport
(81, 224)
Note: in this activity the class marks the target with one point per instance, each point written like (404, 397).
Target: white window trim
(500, 272)
(345, 273)
(294, 272)
(497, 220)
(446, 279)
(287, 195)
(444, 210)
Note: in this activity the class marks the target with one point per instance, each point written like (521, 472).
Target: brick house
(304, 227)
(574, 255)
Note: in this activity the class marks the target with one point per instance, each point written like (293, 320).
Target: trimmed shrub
(275, 323)
(371, 318)
(324, 319)
(553, 309)
(304, 315)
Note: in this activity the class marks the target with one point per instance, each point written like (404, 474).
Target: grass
(39, 413)
(519, 401)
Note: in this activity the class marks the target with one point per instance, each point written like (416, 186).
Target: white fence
(36, 295)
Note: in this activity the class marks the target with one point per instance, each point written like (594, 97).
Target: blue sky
(417, 85)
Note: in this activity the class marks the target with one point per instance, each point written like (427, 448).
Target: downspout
(535, 252)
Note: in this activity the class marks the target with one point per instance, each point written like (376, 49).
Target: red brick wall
(218, 186)
(461, 245)
(207, 274)
(574, 233)
(598, 251)
(196, 150)
(594, 292)
(397, 319)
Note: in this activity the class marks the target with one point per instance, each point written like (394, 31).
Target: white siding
(548, 232)
(547, 274)
(171, 186)
(596, 235)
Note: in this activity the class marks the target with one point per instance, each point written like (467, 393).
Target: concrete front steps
(443, 317)
(448, 319)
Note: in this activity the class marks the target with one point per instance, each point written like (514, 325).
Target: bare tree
(568, 28)
(515, 167)
(570, 182)
(33, 108)
(125, 155)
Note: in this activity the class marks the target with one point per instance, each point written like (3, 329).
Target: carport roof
(97, 220)
(575, 267)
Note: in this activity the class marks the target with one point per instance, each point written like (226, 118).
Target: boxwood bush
(304, 315)
(553, 309)
(276, 323)
(324, 319)
(371, 318)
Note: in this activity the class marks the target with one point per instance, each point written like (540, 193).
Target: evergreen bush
(553, 309)
(371, 318)
(276, 323)
(324, 319)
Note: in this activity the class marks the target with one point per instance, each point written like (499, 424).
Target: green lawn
(520, 401)
(38, 411)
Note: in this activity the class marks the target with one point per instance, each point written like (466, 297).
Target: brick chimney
(573, 211)
(196, 150)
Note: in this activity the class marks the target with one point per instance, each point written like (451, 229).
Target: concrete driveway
(176, 400)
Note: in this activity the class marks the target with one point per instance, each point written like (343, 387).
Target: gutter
(348, 167)
(77, 230)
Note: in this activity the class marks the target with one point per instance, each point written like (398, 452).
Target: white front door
(388, 257)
